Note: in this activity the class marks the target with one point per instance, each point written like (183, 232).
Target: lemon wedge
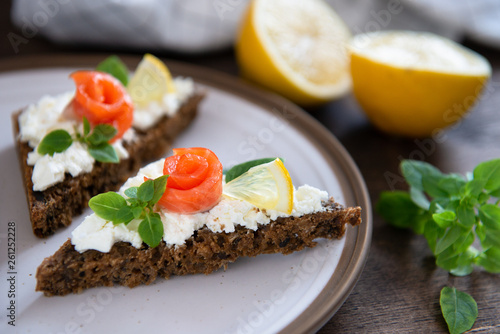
(296, 48)
(150, 82)
(415, 84)
(267, 186)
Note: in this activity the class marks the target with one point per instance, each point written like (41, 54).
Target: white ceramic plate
(266, 294)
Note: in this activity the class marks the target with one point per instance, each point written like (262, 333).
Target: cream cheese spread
(40, 118)
(99, 234)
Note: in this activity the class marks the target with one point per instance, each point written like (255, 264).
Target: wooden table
(398, 291)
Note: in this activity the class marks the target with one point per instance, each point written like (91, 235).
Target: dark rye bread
(68, 271)
(56, 206)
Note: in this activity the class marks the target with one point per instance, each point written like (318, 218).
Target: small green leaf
(398, 209)
(418, 197)
(239, 169)
(474, 187)
(449, 237)
(124, 215)
(137, 211)
(151, 230)
(448, 259)
(56, 141)
(490, 260)
(114, 66)
(107, 205)
(432, 232)
(452, 184)
(86, 126)
(459, 310)
(146, 191)
(489, 172)
(490, 216)
(466, 215)
(414, 170)
(160, 184)
(444, 219)
(102, 133)
(431, 184)
(495, 193)
(104, 153)
(131, 192)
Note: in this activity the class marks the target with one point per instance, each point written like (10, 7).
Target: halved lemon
(296, 48)
(267, 186)
(415, 84)
(150, 82)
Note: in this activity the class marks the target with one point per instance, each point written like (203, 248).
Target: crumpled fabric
(194, 26)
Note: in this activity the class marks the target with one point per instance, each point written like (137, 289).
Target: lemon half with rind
(150, 81)
(415, 84)
(296, 48)
(267, 186)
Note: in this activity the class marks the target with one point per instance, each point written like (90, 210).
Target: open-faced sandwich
(88, 141)
(181, 215)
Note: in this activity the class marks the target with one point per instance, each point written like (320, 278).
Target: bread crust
(68, 271)
(55, 207)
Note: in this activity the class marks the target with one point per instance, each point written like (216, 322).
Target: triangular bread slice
(55, 207)
(68, 271)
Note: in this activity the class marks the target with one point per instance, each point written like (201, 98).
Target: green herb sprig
(96, 140)
(139, 205)
(114, 66)
(459, 310)
(451, 211)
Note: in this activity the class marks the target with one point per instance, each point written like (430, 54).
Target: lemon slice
(296, 48)
(267, 186)
(415, 84)
(150, 82)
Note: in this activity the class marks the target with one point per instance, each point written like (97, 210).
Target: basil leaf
(431, 184)
(137, 211)
(101, 134)
(86, 126)
(114, 66)
(459, 310)
(131, 192)
(239, 169)
(56, 141)
(452, 184)
(160, 184)
(151, 230)
(489, 172)
(432, 232)
(474, 187)
(414, 171)
(495, 193)
(466, 215)
(490, 260)
(465, 263)
(444, 219)
(397, 208)
(104, 153)
(418, 197)
(146, 191)
(124, 215)
(490, 216)
(107, 205)
(449, 237)
(448, 259)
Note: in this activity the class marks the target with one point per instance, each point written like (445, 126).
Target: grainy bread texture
(68, 271)
(56, 206)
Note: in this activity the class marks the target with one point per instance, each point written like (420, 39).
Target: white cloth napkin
(193, 26)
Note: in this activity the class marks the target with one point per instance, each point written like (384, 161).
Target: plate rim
(358, 239)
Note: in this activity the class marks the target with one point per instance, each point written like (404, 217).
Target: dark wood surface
(398, 291)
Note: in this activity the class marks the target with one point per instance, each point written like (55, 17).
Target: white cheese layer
(40, 118)
(96, 233)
